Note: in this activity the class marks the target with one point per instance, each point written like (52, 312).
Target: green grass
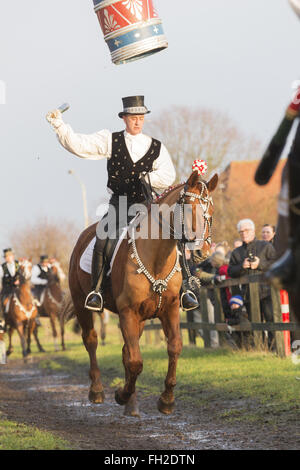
(15, 436)
(243, 385)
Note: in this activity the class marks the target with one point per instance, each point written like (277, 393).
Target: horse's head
(196, 210)
(25, 269)
(57, 273)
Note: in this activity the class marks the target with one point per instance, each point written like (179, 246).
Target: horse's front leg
(21, 331)
(132, 359)
(52, 316)
(35, 334)
(29, 333)
(10, 346)
(131, 407)
(90, 340)
(170, 323)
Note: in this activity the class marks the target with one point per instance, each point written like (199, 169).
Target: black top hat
(43, 258)
(7, 250)
(133, 105)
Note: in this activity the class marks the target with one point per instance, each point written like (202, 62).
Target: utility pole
(84, 199)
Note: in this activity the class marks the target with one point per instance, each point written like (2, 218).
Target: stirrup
(192, 295)
(94, 309)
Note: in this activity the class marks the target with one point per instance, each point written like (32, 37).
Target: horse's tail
(67, 311)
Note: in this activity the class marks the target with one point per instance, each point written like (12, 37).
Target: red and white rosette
(200, 166)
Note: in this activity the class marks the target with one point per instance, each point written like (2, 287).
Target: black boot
(94, 300)
(188, 300)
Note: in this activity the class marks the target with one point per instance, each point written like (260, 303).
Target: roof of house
(248, 200)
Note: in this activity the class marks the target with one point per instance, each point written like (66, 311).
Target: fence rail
(267, 326)
(255, 324)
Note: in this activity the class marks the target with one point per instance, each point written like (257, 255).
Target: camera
(251, 257)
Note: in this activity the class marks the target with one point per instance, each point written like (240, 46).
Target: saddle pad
(87, 256)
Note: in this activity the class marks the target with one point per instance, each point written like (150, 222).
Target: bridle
(205, 201)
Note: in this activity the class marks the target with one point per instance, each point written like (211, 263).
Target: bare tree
(55, 238)
(192, 133)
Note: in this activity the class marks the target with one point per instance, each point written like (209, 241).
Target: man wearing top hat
(9, 275)
(40, 276)
(130, 154)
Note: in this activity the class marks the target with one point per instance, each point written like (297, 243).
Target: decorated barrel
(131, 28)
(295, 4)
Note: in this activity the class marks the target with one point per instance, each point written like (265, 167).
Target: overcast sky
(237, 56)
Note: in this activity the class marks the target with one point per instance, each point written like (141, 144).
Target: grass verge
(16, 436)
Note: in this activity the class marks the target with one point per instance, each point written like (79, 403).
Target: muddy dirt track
(58, 403)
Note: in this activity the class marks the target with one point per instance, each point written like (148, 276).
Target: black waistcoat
(43, 274)
(8, 280)
(123, 173)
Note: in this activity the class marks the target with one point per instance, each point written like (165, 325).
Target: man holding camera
(253, 257)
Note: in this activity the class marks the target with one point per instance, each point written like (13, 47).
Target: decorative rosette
(200, 166)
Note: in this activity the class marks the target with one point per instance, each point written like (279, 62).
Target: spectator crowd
(249, 255)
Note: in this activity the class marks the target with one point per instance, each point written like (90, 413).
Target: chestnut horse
(145, 282)
(52, 299)
(23, 311)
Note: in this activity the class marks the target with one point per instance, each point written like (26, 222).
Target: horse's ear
(212, 184)
(193, 179)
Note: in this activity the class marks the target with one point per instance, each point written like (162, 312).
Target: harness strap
(28, 313)
(158, 285)
(56, 302)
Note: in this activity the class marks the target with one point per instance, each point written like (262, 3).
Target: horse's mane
(166, 192)
(170, 189)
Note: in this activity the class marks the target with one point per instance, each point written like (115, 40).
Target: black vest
(8, 280)
(123, 173)
(43, 274)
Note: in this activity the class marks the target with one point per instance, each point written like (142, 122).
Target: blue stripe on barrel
(134, 36)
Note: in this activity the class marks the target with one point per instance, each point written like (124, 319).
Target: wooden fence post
(255, 312)
(279, 335)
(204, 312)
(219, 314)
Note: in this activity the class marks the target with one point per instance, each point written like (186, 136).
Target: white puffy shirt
(35, 279)
(98, 146)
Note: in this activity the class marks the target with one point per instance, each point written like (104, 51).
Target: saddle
(111, 248)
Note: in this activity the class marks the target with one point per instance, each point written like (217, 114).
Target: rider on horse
(9, 273)
(132, 157)
(40, 276)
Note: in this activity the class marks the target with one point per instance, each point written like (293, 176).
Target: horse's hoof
(42, 350)
(118, 397)
(132, 409)
(96, 397)
(165, 408)
(9, 352)
(133, 413)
